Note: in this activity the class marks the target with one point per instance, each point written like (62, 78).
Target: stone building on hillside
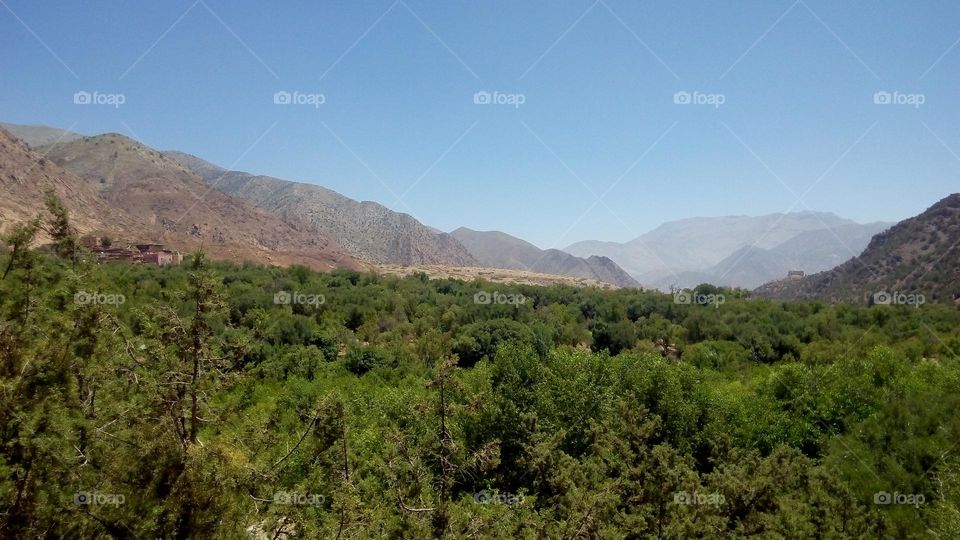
(151, 253)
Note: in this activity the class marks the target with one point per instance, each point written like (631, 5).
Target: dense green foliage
(196, 405)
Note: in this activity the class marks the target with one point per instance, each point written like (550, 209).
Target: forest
(223, 400)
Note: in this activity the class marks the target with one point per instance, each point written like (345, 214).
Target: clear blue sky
(598, 81)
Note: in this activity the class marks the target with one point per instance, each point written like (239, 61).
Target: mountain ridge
(368, 230)
(690, 251)
(919, 256)
(172, 201)
(497, 249)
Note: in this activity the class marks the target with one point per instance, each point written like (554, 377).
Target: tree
(58, 226)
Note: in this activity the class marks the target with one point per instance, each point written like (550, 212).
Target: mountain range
(918, 257)
(116, 186)
(185, 201)
(368, 230)
(500, 250)
(740, 251)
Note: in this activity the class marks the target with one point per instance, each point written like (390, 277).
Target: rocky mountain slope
(26, 175)
(918, 256)
(174, 202)
(810, 252)
(495, 249)
(685, 252)
(36, 136)
(366, 229)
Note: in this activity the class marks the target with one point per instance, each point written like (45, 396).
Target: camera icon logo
(882, 497)
(882, 98)
(282, 98)
(482, 297)
(82, 98)
(682, 98)
(882, 298)
(682, 297)
(282, 298)
(681, 497)
(82, 498)
(482, 497)
(482, 98)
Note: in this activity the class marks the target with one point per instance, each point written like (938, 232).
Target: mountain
(495, 249)
(809, 252)
(174, 202)
(36, 136)
(918, 256)
(25, 176)
(366, 229)
(689, 249)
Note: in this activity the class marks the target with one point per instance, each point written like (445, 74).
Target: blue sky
(798, 127)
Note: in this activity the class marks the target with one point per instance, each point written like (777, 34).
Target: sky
(552, 121)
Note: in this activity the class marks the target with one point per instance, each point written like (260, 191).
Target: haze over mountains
(742, 251)
(918, 256)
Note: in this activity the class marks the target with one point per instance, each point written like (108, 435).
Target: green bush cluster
(199, 407)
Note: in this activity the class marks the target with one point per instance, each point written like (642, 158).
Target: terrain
(368, 230)
(25, 177)
(177, 204)
(918, 256)
(37, 135)
(191, 403)
(697, 250)
(493, 275)
(809, 252)
(500, 250)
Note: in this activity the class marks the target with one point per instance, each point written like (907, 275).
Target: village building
(150, 253)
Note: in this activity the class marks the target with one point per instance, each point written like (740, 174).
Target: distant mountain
(920, 255)
(688, 250)
(500, 250)
(809, 252)
(367, 230)
(36, 136)
(173, 201)
(25, 176)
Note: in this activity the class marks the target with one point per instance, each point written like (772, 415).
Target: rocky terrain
(918, 256)
(173, 203)
(26, 175)
(500, 250)
(368, 230)
(741, 251)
